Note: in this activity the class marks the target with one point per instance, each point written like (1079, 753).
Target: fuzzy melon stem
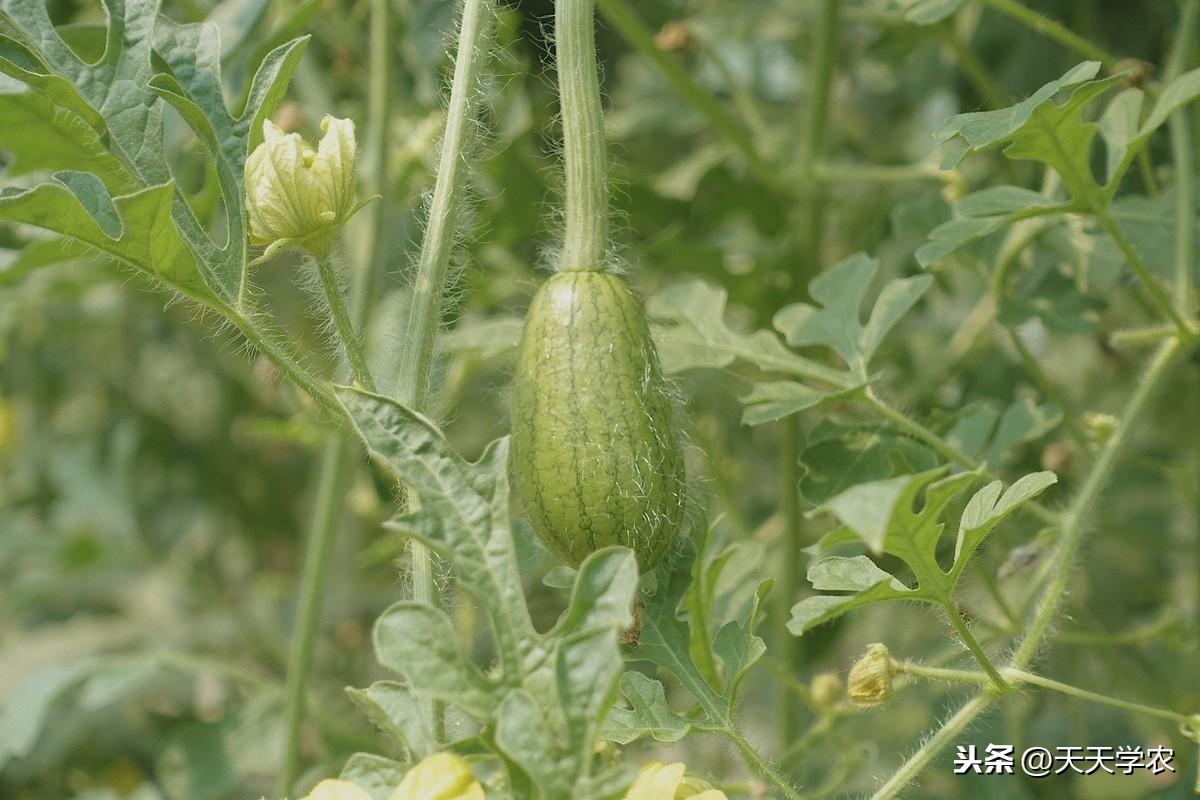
(596, 458)
(585, 239)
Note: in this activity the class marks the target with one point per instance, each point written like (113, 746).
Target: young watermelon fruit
(596, 458)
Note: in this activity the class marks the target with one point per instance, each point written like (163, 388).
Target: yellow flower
(337, 790)
(441, 776)
(299, 195)
(870, 682)
(658, 781)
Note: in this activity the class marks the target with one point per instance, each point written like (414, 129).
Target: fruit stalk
(586, 203)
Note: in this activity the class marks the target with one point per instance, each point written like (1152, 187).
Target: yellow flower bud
(441, 776)
(826, 689)
(870, 682)
(1099, 427)
(337, 790)
(297, 194)
(658, 781)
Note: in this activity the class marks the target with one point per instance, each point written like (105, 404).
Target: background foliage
(155, 483)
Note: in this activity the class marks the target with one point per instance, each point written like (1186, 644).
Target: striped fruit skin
(596, 458)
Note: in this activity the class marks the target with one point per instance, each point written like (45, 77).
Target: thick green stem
(625, 21)
(1054, 30)
(429, 287)
(445, 209)
(585, 157)
(337, 460)
(346, 332)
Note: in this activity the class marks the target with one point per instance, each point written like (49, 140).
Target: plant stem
(350, 341)
(791, 647)
(1181, 151)
(1147, 278)
(945, 449)
(336, 461)
(945, 736)
(1023, 677)
(625, 21)
(428, 291)
(816, 117)
(325, 516)
(1054, 30)
(972, 644)
(1076, 515)
(816, 113)
(585, 239)
(942, 673)
(1185, 210)
(1138, 337)
(379, 118)
(271, 343)
(760, 765)
(445, 209)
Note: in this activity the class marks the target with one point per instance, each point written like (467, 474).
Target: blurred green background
(155, 481)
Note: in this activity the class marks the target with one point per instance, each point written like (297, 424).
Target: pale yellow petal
(441, 776)
(296, 192)
(335, 164)
(337, 790)
(656, 781)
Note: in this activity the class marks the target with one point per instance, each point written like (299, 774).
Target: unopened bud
(1099, 427)
(826, 689)
(299, 195)
(870, 682)
(673, 36)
